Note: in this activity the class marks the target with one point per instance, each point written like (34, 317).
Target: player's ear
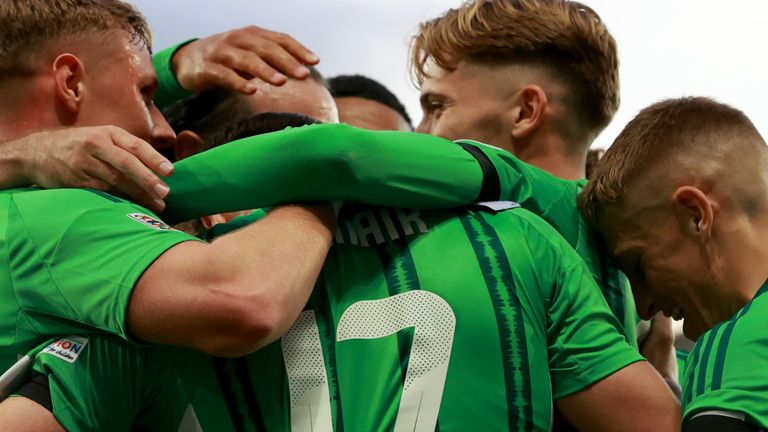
(528, 110)
(68, 72)
(188, 143)
(695, 212)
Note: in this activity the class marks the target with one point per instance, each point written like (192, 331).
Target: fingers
(272, 53)
(131, 162)
(104, 177)
(289, 44)
(233, 58)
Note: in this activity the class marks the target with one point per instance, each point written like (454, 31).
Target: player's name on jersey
(374, 226)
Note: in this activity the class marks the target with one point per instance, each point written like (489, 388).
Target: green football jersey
(70, 259)
(420, 321)
(338, 162)
(103, 383)
(724, 371)
(425, 321)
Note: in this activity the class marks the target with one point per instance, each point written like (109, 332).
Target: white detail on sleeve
(11, 379)
(731, 414)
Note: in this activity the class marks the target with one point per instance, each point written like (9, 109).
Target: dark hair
(260, 124)
(206, 112)
(366, 88)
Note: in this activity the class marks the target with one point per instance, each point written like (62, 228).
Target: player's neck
(549, 153)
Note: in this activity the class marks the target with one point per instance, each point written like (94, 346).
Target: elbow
(238, 325)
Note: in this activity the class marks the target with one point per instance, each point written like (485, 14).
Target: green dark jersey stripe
(700, 382)
(237, 391)
(326, 327)
(500, 282)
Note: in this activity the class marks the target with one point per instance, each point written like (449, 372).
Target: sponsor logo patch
(150, 221)
(67, 349)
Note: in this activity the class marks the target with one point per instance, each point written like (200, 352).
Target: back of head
(691, 140)
(28, 27)
(566, 39)
(366, 88)
(259, 124)
(205, 112)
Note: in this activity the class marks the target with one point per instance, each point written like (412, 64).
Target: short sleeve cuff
(571, 382)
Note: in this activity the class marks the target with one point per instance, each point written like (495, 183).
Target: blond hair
(698, 130)
(28, 25)
(566, 37)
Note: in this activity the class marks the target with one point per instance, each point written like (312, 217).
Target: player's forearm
(279, 279)
(322, 163)
(239, 293)
(13, 164)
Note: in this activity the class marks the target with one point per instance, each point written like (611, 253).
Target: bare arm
(239, 293)
(104, 157)
(634, 398)
(24, 415)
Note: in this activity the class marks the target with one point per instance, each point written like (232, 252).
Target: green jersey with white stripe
(425, 321)
(420, 321)
(725, 372)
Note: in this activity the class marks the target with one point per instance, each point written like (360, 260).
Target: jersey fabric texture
(107, 384)
(725, 370)
(70, 260)
(420, 320)
(425, 321)
(342, 163)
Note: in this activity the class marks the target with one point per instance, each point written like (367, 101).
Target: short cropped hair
(566, 37)
(27, 25)
(363, 87)
(205, 112)
(697, 128)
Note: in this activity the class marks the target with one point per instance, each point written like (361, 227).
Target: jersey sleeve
(554, 200)
(725, 370)
(325, 163)
(169, 90)
(105, 384)
(585, 342)
(75, 256)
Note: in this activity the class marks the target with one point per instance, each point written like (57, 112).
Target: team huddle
(215, 237)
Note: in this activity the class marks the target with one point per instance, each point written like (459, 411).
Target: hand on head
(233, 59)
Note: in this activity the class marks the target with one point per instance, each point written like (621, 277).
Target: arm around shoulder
(239, 293)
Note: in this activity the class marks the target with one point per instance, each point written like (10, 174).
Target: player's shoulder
(64, 207)
(526, 222)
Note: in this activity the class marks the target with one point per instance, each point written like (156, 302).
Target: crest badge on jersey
(67, 349)
(150, 221)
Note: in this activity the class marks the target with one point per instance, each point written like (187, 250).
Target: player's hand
(103, 157)
(232, 59)
(659, 349)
